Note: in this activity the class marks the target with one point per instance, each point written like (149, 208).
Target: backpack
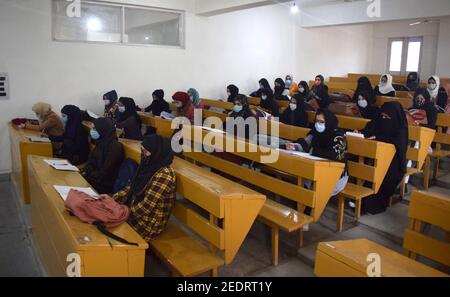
(126, 173)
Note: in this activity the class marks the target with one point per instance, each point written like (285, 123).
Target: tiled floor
(17, 256)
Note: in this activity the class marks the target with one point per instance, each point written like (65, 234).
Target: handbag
(417, 117)
(102, 213)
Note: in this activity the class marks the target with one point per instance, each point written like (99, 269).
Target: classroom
(225, 139)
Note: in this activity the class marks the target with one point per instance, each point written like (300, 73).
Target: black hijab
(74, 121)
(365, 86)
(371, 112)
(413, 81)
(395, 131)
(112, 97)
(442, 99)
(245, 112)
(159, 104)
(297, 117)
(265, 83)
(130, 110)
(105, 127)
(279, 89)
(302, 96)
(325, 139)
(427, 104)
(324, 98)
(234, 92)
(161, 156)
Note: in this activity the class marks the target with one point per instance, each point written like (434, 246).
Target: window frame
(406, 40)
(182, 30)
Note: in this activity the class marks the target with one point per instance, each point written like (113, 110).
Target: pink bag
(102, 213)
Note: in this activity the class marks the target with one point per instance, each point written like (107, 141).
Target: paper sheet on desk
(304, 155)
(63, 191)
(93, 115)
(62, 165)
(38, 139)
(357, 135)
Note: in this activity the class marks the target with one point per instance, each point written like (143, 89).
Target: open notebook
(62, 165)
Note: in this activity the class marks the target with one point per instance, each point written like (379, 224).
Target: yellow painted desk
(21, 147)
(56, 233)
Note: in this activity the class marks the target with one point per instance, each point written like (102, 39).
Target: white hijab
(388, 87)
(434, 93)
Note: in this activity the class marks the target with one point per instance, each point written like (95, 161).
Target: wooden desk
(21, 147)
(56, 234)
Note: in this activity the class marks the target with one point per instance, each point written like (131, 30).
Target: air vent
(4, 86)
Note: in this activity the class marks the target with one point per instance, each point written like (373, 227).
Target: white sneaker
(306, 228)
(352, 204)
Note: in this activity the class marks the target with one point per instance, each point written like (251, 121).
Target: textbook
(62, 165)
(38, 139)
(63, 191)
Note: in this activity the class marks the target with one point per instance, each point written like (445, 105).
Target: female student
(295, 114)
(385, 87)
(367, 108)
(319, 82)
(303, 91)
(194, 96)
(241, 108)
(129, 120)
(75, 146)
(365, 86)
(232, 93)
(325, 141)
(110, 101)
(50, 124)
(263, 84)
(105, 161)
(413, 81)
(291, 85)
(151, 193)
(159, 104)
(184, 105)
(280, 90)
(268, 102)
(422, 101)
(391, 127)
(434, 83)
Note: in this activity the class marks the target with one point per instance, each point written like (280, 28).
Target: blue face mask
(95, 135)
(121, 109)
(363, 103)
(320, 127)
(65, 119)
(237, 108)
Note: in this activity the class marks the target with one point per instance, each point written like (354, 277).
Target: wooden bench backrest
(324, 174)
(224, 200)
(433, 209)
(338, 85)
(345, 122)
(287, 132)
(442, 124)
(406, 103)
(425, 137)
(399, 79)
(381, 153)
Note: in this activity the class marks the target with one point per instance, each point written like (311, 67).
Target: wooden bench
(323, 174)
(441, 138)
(427, 208)
(345, 122)
(337, 85)
(375, 78)
(21, 148)
(424, 137)
(380, 156)
(349, 259)
(57, 234)
(234, 206)
(406, 103)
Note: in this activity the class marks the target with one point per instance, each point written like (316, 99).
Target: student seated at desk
(413, 81)
(194, 96)
(367, 108)
(422, 101)
(365, 86)
(263, 84)
(325, 141)
(49, 123)
(184, 105)
(291, 85)
(75, 146)
(241, 110)
(151, 193)
(232, 93)
(268, 102)
(391, 127)
(111, 109)
(438, 94)
(385, 87)
(158, 104)
(105, 161)
(281, 93)
(295, 114)
(129, 120)
(303, 94)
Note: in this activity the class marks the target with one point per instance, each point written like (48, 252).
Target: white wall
(443, 53)
(238, 48)
(333, 51)
(383, 31)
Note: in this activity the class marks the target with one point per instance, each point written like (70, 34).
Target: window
(122, 24)
(404, 55)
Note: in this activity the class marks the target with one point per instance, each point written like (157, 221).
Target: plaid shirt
(150, 216)
(111, 113)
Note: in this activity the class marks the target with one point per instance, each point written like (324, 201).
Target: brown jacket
(52, 126)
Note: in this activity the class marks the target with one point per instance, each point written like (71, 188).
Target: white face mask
(264, 97)
(301, 90)
(432, 86)
(179, 104)
(320, 127)
(229, 94)
(293, 106)
(121, 109)
(107, 102)
(362, 103)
